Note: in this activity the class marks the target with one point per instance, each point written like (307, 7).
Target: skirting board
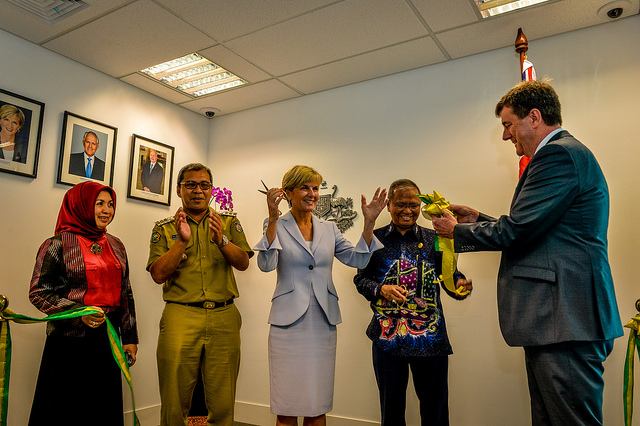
(260, 415)
(245, 412)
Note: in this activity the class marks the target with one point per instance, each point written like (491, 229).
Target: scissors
(266, 189)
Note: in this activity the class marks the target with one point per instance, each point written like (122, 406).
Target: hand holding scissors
(274, 197)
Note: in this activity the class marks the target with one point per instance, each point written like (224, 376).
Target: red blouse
(104, 273)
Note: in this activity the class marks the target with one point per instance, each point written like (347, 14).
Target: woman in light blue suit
(304, 307)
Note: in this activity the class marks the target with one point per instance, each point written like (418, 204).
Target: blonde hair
(7, 111)
(298, 175)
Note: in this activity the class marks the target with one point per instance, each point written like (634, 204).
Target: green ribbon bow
(434, 205)
(7, 315)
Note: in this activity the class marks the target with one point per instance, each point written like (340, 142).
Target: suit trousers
(565, 382)
(196, 341)
(430, 380)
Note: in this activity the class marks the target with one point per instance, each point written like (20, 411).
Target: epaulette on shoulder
(227, 213)
(165, 221)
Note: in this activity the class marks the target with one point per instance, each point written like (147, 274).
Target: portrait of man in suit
(85, 163)
(556, 297)
(152, 174)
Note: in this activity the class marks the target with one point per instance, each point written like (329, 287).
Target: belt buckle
(209, 305)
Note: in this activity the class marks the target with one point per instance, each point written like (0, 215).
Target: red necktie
(524, 160)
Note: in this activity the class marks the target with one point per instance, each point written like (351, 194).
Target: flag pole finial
(522, 45)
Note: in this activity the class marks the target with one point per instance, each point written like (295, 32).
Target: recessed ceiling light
(194, 75)
(496, 7)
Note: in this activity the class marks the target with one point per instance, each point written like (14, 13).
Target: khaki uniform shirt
(203, 273)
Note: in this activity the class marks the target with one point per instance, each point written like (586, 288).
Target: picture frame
(81, 137)
(20, 143)
(147, 183)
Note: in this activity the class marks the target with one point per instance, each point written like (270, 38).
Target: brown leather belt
(207, 304)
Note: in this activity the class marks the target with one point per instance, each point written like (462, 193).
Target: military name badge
(155, 237)
(174, 237)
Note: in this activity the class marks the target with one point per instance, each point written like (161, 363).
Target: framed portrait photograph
(20, 132)
(87, 151)
(150, 171)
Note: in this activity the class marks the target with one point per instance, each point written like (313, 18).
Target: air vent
(52, 11)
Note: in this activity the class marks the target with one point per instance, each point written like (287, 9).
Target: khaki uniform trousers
(196, 340)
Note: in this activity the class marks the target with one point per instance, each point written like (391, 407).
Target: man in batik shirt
(408, 328)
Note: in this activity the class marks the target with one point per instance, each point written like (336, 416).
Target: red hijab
(77, 213)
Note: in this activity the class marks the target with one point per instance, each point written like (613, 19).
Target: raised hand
(274, 197)
(372, 210)
(180, 221)
(215, 227)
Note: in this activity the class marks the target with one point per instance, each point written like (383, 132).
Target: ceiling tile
(441, 15)
(536, 22)
(158, 89)
(390, 60)
(244, 97)
(220, 18)
(228, 60)
(132, 38)
(345, 29)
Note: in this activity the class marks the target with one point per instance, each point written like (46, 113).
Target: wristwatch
(224, 242)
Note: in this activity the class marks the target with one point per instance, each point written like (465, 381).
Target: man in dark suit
(152, 174)
(85, 163)
(555, 290)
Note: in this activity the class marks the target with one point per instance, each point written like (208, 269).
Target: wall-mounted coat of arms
(336, 209)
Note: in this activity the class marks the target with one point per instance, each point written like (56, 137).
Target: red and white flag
(528, 72)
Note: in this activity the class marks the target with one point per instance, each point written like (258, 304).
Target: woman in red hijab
(79, 381)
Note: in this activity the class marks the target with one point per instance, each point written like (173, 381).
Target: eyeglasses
(403, 206)
(204, 185)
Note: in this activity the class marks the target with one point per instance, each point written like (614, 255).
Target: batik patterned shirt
(417, 326)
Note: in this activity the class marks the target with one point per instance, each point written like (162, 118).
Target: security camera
(209, 112)
(613, 10)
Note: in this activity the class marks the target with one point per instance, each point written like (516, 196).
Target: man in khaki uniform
(193, 255)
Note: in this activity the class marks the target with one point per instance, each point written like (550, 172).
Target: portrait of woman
(304, 308)
(79, 382)
(12, 119)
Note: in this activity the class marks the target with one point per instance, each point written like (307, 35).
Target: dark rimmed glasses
(191, 185)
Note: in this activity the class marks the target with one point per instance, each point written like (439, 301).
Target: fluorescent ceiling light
(496, 7)
(194, 75)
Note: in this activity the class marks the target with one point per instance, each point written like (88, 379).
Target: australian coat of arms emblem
(336, 209)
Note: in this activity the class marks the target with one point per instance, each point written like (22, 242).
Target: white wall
(30, 206)
(436, 126)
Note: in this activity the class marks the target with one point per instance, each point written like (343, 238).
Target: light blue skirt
(302, 364)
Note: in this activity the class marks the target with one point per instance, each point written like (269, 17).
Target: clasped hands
(184, 232)
(444, 224)
(398, 294)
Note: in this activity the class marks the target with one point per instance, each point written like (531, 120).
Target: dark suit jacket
(152, 180)
(76, 166)
(19, 152)
(554, 283)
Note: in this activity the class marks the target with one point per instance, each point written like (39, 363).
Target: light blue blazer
(300, 269)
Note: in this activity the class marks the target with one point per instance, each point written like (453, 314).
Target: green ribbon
(633, 345)
(433, 206)
(7, 315)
